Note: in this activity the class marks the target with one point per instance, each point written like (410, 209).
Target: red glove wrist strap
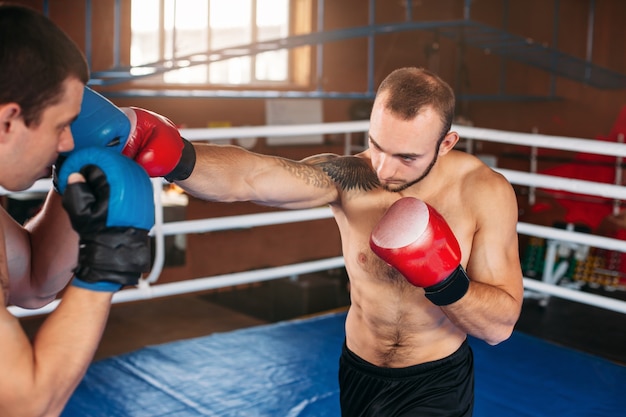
(450, 289)
(185, 166)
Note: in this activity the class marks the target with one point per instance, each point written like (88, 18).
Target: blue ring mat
(289, 369)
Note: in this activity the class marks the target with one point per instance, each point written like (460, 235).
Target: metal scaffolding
(464, 32)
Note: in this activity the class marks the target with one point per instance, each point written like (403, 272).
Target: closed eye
(63, 128)
(407, 158)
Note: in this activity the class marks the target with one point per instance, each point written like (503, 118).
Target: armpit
(348, 172)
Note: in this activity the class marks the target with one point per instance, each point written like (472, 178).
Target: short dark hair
(36, 57)
(412, 89)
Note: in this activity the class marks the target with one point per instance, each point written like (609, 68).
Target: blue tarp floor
(290, 369)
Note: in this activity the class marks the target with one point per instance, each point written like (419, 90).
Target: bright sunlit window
(187, 31)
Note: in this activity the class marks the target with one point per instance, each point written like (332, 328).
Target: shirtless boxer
(405, 352)
(42, 79)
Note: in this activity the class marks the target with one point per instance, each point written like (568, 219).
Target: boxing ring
(290, 368)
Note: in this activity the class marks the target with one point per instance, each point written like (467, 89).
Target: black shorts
(442, 388)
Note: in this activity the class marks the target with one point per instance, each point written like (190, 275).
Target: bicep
(495, 254)
(15, 254)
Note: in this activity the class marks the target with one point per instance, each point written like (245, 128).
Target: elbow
(493, 341)
(500, 335)
(37, 291)
(32, 303)
(502, 330)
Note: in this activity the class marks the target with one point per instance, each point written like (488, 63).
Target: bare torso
(390, 322)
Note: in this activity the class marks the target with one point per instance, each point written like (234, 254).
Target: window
(182, 33)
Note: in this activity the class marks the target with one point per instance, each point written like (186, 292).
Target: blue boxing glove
(148, 138)
(112, 212)
(100, 123)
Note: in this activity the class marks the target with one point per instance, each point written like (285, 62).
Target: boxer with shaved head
(428, 236)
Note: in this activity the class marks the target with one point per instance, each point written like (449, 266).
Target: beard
(402, 187)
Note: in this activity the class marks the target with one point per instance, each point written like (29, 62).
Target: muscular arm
(493, 302)
(40, 255)
(38, 379)
(230, 173)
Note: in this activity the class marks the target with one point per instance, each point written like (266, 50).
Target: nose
(385, 168)
(66, 140)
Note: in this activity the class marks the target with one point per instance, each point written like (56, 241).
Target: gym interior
(540, 94)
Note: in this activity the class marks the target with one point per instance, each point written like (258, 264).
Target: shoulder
(486, 189)
(476, 174)
(347, 172)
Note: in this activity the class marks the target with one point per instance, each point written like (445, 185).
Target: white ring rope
(145, 291)
(147, 288)
(543, 141)
(571, 236)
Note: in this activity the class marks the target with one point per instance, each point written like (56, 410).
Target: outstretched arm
(209, 172)
(230, 173)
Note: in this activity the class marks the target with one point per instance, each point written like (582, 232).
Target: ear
(448, 142)
(9, 114)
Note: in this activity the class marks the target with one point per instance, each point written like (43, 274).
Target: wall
(569, 108)
(577, 110)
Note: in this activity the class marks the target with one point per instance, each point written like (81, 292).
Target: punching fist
(416, 240)
(149, 138)
(112, 212)
(155, 144)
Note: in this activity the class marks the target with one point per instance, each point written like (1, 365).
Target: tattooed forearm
(348, 172)
(312, 176)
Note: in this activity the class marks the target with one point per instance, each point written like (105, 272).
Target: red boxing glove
(416, 240)
(155, 144)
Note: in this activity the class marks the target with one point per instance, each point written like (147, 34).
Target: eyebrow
(400, 155)
(69, 121)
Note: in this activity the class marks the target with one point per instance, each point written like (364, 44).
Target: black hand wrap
(116, 254)
(450, 289)
(107, 254)
(185, 165)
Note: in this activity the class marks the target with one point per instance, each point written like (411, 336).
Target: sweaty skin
(390, 323)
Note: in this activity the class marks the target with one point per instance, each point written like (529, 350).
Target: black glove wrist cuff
(449, 290)
(186, 164)
(116, 255)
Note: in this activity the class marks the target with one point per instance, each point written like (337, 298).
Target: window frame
(298, 59)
